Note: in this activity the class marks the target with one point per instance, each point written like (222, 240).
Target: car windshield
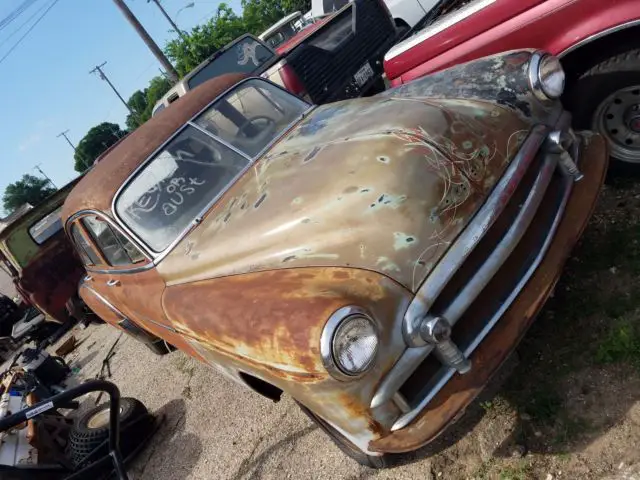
(252, 115)
(193, 169)
(245, 56)
(46, 227)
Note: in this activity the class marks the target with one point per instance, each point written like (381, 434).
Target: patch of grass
(522, 471)
(622, 344)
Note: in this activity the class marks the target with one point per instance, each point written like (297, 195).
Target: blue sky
(45, 82)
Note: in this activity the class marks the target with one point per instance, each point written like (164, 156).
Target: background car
(597, 41)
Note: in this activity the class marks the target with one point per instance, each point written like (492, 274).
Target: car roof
(98, 187)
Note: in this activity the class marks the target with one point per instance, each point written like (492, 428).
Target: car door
(122, 283)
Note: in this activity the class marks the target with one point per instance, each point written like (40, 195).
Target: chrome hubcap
(618, 119)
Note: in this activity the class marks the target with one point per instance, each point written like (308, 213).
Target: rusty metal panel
(384, 184)
(269, 324)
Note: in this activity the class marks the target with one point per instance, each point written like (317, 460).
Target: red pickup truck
(598, 42)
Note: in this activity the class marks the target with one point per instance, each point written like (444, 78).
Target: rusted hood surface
(383, 184)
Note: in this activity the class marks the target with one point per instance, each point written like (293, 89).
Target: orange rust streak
(275, 317)
(495, 349)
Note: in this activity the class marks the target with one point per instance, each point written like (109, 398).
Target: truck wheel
(92, 429)
(606, 99)
(348, 448)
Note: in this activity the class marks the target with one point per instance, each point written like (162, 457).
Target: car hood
(383, 184)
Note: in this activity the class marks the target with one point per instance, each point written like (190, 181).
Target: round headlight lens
(355, 344)
(551, 76)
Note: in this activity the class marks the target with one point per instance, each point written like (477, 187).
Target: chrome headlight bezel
(539, 81)
(336, 321)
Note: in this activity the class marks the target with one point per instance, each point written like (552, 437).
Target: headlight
(546, 76)
(349, 343)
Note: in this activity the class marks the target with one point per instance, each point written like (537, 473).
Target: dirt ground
(568, 410)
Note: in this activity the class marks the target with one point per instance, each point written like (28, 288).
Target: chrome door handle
(113, 283)
(88, 278)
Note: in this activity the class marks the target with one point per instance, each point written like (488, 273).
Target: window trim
(82, 231)
(144, 264)
(156, 257)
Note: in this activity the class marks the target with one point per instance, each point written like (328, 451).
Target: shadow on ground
(169, 442)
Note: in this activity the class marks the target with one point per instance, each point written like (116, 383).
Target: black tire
(594, 86)
(348, 448)
(85, 438)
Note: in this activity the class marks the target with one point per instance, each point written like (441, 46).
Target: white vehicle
(406, 13)
(283, 30)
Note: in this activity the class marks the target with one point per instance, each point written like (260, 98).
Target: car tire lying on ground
(348, 448)
(92, 429)
(606, 99)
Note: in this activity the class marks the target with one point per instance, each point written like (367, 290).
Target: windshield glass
(46, 227)
(252, 115)
(243, 57)
(176, 186)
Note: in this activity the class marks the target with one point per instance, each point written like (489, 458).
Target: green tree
(95, 142)
(143, 101)
(204, 40)
(29, 189)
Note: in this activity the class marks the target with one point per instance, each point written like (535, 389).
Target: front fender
(268, 324)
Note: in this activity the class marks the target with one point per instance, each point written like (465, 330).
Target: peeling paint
(402, 241)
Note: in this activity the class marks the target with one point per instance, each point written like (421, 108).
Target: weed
(522, 471)
(622, 344)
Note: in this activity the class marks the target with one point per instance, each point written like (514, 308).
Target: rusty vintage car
(377, 259)
(43, 265)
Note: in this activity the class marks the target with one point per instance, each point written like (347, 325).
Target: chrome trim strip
(326, 341)
(106, 302)
(596, 36)
(407, 418)
(470, 237)
(399, 373)
(158, 256)
(435, 28)
(505, 247)
(111, 307)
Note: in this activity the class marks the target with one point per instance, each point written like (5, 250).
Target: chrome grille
(481, 274)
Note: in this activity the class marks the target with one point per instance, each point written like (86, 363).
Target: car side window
(84, 249)
(115, 247)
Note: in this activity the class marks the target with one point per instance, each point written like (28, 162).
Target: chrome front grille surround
(515, 225)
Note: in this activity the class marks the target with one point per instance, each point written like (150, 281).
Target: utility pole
(64, 134)
(98, 69)
(169, 19)
(37, 167)
(75, 149)
(173, 75)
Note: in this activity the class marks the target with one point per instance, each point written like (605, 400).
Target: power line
(20, 9)
(29, 30)
(10, 36)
